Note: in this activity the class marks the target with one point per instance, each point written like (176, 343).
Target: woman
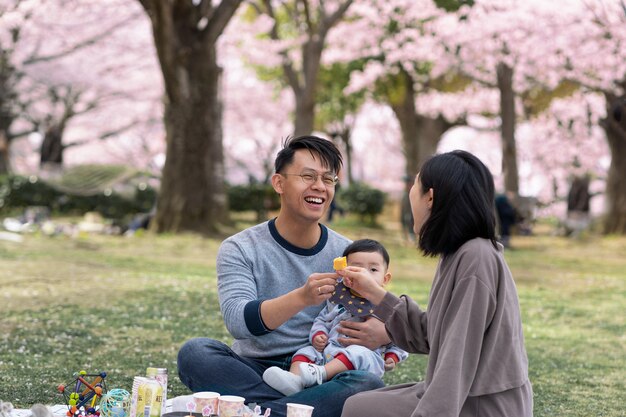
(472, 331)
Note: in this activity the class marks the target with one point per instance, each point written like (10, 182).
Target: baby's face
(373, 263)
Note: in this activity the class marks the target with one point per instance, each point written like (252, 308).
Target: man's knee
(194, 349)
(364, 380)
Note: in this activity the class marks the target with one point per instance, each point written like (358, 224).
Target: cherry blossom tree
(406, 60)
(498, 45)
(563, 142)
(256, 119)
(298, 32)
(595, 58)
(69, 63)
(192, 195)
(12, 17)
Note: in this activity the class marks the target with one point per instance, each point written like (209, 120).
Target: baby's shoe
(283, 381)
(311, 374)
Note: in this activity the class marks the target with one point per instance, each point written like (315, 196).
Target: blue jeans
(209, 365)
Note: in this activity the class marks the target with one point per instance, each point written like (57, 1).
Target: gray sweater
(258, 264)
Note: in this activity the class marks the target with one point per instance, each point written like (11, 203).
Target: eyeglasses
(310, 178)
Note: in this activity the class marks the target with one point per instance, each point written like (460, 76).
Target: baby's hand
(390, 364)
(319, 342)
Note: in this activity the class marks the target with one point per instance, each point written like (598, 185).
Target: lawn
(121, 304)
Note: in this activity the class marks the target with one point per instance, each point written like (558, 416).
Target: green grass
(114, 304)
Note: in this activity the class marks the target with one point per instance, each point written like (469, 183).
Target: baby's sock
(283, 381)
(312, 374)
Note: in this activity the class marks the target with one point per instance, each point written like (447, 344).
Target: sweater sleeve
(464, 324)
(405, 322)
(237, 292)
(323, 321)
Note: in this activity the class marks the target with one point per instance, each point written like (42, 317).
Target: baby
(326, 357)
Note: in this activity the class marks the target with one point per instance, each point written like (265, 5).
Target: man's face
(300, 200)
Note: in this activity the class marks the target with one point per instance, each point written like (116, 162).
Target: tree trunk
(420, 134)
(192, 195)
(403, 106)
(306, 93)
(507, 116)
(4, 154)
(430, 132)
(615, 127)
(347, 139)
(304, 82)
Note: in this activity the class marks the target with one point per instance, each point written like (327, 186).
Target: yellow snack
(340, 263)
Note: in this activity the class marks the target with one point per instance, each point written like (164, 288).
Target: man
(273, 279)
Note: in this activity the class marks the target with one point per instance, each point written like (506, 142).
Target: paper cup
(206, 399)
(299, 410)
(231, 405)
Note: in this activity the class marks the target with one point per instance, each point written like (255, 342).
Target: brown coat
(473, 334)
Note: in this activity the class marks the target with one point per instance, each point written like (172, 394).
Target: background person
(507, 216)
(273, 279)
(472, 331)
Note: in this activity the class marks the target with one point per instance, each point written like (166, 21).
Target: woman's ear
(277, 183)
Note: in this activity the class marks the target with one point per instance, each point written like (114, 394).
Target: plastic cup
(299, 410)
(206, 399)
(231, 405)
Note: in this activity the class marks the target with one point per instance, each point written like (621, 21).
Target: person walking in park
(406, 216)
(273, 280)
(472, 331)
(326, 356)
(507, 216)
(334, 206)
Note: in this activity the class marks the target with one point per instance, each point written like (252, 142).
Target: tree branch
(103, 136)
(220, 18)
(287, 65)
(82, 44)
(331, 20)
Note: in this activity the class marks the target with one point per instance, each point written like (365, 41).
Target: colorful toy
(83, 399)
(115, 403)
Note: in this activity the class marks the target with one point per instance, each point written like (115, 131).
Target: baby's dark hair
(367, 245)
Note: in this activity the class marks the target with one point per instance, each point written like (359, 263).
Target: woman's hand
(362, 282)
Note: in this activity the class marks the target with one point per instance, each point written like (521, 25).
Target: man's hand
(390, 364)
(319, 287)
(319, 342)
(370, 333)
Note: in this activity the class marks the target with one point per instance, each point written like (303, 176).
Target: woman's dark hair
(367, 245)
(329, 154)
(463, 202)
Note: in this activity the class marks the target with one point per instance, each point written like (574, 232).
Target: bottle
(156, 398)
(159, 374)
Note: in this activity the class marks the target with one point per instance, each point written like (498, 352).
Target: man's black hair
(463, 202)
(367, 245)
(326, 150)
